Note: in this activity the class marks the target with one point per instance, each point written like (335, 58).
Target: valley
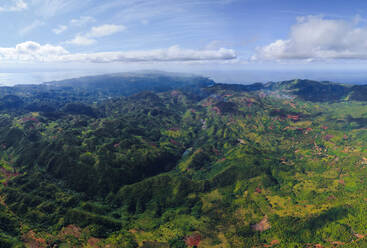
(179, 161)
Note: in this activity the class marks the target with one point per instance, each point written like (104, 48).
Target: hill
(186, 163)
(125, 84)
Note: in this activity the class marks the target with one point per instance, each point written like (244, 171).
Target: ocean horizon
(21, 78)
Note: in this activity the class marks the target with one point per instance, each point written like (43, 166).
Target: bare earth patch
(263, 225)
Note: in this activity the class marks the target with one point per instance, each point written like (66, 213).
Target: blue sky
(185, 35)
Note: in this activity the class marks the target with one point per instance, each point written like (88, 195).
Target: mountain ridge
(225, 165)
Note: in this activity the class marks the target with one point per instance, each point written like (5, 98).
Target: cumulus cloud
(315, 38)
(17, 5)
(33, 52)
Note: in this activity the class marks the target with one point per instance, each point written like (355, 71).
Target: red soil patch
(293, 117)
(272, 243)
(331, 198)
(33, 119)
(337, 243)
(8, 175)
(217, 110)
(175, 93)
(71, 230)
(31, 241)
(263, 225)
(193, 240)
(174, 142)
(258, 190)
(93, 242)
(359, 236)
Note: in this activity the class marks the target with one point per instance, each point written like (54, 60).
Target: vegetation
(185, 164)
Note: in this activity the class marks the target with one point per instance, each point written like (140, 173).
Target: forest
(171, 160)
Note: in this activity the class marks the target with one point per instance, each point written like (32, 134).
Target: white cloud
(32, 26)
(173, 53)
(315, 37)
(60, 29)
(33, 52)
(96, 32)
(83, 20)
(17, 5)
(105, 30)
(81, 41)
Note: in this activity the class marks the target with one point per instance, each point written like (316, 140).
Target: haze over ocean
(14, 78)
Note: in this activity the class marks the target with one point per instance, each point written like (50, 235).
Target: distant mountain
(240, 87)
(125, 84)
(313, 90)
(309, 90)
(51, 97)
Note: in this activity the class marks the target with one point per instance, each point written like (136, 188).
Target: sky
(233, 40)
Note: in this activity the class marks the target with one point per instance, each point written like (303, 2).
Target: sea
(19, 78)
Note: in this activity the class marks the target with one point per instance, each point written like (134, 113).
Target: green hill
(177, 161)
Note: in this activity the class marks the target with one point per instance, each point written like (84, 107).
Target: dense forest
(169, 160)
